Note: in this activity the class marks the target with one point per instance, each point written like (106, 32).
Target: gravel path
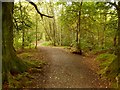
(66, 70)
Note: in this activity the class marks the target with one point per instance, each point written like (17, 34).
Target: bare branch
(38, 10)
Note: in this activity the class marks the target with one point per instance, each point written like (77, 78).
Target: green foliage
(98, 22)
(21, 17)
(112, 71)
(46, 43)
(106, 56)
(24, 25)
(105, 59)
(108, 65)
(95, 26)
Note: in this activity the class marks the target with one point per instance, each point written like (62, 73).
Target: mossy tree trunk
(118, 50)
(115, 65)
(11, 64)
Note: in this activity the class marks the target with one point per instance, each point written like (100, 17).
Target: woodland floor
(66, 70)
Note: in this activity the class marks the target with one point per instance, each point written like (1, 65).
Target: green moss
(25, 55)
(106, 56)
(20, 80)
(15, 71)
(108, 65)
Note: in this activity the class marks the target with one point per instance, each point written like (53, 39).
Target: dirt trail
(68, 70)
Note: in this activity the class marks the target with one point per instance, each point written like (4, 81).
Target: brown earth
(66, 70)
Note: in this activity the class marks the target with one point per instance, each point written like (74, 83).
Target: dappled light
(68, 44)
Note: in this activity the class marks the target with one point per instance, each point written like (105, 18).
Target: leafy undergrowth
(46, 43)
(24, 79)
(108, 66)
(105, 59)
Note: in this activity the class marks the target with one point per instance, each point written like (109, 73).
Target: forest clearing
(54, 44)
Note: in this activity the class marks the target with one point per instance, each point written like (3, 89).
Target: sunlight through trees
(85, 28)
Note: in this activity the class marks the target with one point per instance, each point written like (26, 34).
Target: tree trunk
(23, 30)
(54, 26)
(23, 38)
(36, 30)
(115, 39)
(11, 64)
(61, 36)
(118, 50)
(103, 33)
(54, 32)
(77, 36)
(78, 41)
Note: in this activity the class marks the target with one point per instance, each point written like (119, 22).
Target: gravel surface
(66, 70)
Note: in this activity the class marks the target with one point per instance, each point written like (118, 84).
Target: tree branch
(35, 6)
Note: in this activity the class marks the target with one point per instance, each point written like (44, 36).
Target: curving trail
(68, 70)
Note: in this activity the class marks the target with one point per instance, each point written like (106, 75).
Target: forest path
(67, 70)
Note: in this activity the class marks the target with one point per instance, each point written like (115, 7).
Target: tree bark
(116, 62)
(11, 64)
(36, 31)
(23, 30)
(115, 39)
(78, 41)
(118, 50)
(7, 35)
